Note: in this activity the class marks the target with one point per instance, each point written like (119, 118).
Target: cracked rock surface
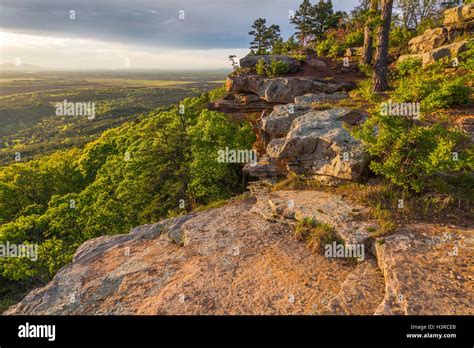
(242, 259)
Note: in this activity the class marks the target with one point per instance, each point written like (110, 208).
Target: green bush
(285, 47)
(355, 39)
(449, 92)
(337, 50)
(330, 47)
(412, 156)
(467, 60)
(323, 47)
(261, 67)
(275, 68)
(431, 87)
(300, 57)
(399, 36)
(408, 67)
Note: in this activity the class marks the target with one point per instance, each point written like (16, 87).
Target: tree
(414, 12)
(315, 20)
(303, 21)
(273, 36)
(368, 33)
(325, 18)
(260, 42)
(380, 79)
(265, 39)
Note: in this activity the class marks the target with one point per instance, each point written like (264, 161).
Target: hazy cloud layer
(207, 23)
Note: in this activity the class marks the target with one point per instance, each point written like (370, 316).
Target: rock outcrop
(241, 103)
(282, 89)
(232, 261)
(313, 142)
(242, 259)
(447, 41)
(460, 16)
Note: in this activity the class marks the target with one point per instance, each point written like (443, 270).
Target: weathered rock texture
(428, 270)
(242, 259)
(447, 41)
(233, 261)
(311, 142)
(282, 89)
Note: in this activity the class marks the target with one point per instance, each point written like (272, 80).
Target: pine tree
(273, 35)
(380, 79)
(260, 43)
(368, 33)
(315, 19)
(324, 18)
(303, 21)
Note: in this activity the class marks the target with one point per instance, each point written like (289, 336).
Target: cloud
(149, 32)
(207, 23)
(70, 53)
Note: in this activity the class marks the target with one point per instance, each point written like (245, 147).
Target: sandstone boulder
(311, 98)
(450, 51)
(278, 123)
(241, 103)
(266, 167)
(459, 16)
(316, 63)
(318, 144)
(427, 58)
(429, 40)
(322, 207)
(282, 89)
(251, 61)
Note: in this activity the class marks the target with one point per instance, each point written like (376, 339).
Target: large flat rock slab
(322, 207)
(228, 260)
(428, 269)
(360, 292)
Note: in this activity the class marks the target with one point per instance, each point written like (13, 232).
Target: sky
(144, 34)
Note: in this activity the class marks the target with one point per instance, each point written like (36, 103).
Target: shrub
(285, 47)
(433, 90)
(323, 47)
(300, 57)
(316, 234)
(431, 86)
(366, 91)
(261, 67)
(467, 59)
(355, 39)
(449, 92)
(399, 36)
(337, 50)
(275, 68)
(408, 66)
(409, 155)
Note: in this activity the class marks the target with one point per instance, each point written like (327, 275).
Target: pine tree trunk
(368, 37)
(380, 80)
(368, 47)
